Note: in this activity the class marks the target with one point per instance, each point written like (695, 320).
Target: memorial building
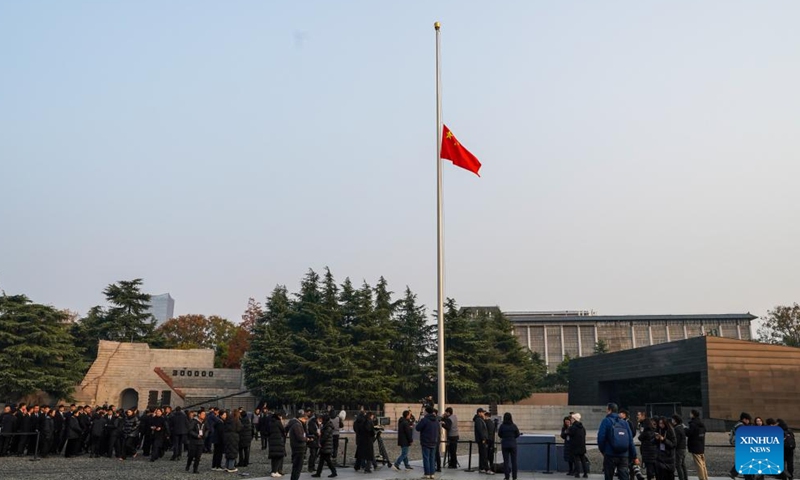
(554, 335)
(133, 374)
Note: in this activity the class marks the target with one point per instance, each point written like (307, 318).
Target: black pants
(23, 442)
(483, 457)
(216, 458)
(680, 464)
(452, 452)
(615, 464)
(45, 446)
(264, 442)
(155, 449)
(510, 462)
(244, 455)
(580, 460)
(97, 445)
(195, 452)
(148, 442)
(297, 462)
(335, 448)
(326, 459)
(177, 445)
(129, 446)
(72, 447)
(5, 444)
(277, 465)
(313, 453)
(788, 459)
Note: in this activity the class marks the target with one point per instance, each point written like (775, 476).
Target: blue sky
(638, 157)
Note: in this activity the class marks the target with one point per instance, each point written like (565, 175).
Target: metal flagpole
(439, 223)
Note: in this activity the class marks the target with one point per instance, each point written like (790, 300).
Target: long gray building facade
(554, 335)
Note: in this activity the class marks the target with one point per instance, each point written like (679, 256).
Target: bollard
(469, 463)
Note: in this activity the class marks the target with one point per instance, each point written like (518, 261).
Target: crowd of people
(663, 442)
(108, 432)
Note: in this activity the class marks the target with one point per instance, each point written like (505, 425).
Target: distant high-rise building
(162, 307)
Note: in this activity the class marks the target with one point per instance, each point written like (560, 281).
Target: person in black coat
(245, 439)
(577, 436)
(696, 443)
(231, 429)
(482, 439)
(8, 422)
(568, 456)
(218, 432)
(98, 426)
(47, 432)
(298, 438)
(491, 450)
(130, 434)
(680, 447)
(263, 428)
(178, 428)
(405, 437)
(24, 425)
(276, 442)
(74, 436)
(665, 448)
(197, 436)
(649, 449)
(158, 430)
(365, 436)
(508, 433)
(314, 426)
(326, 446)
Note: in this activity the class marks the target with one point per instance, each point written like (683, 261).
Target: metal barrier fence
(36, 446)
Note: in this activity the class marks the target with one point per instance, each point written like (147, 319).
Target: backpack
(620, 436)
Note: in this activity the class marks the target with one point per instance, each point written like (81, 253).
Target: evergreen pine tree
(37, 352)
(412, 349)
(271, 367)
(462, 374)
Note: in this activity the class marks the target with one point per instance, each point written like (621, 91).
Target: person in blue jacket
(615, 442)
(428, 428)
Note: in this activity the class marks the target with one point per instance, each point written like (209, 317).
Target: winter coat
(74, 430)
(231, 429)
(428, 429)
(246, 435)
(313, 428)
(159, 423)
(131, 426)
(8, 422)
(696, 436)
(577, 437)
(179, 423)
(481, 433)
(47, 428)
(508, 433)
(567, 443)
(491, 429)
(197, 432)
(326, 438)
(680, 437)
(604, 434)
(365, 435)
(405, 433)
(665, 448)
(98, 425)
(649, 448)
(214, 427)
(296, 432)
(276, 437)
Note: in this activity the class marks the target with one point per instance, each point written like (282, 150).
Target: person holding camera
(482, 439)
(428, 428)
(665, 443)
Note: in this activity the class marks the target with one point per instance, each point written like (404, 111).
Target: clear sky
(639, 157)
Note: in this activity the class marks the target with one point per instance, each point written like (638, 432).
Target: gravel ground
(718, 459)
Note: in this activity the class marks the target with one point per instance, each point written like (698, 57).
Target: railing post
(344, 454)
(469, 463)
(548, 458)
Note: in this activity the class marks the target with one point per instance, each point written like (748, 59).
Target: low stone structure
(133, 374)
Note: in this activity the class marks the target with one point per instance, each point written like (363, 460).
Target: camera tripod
(383, 455)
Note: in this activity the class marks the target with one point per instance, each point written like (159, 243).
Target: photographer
(405, 437)
(450, 423)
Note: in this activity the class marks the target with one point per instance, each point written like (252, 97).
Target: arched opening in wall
(129, 398)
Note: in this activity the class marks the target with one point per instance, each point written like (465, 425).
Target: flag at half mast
(455, 152)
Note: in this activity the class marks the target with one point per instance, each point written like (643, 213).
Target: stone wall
(529, 418)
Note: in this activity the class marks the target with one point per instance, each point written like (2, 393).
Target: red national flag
(456, 153)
